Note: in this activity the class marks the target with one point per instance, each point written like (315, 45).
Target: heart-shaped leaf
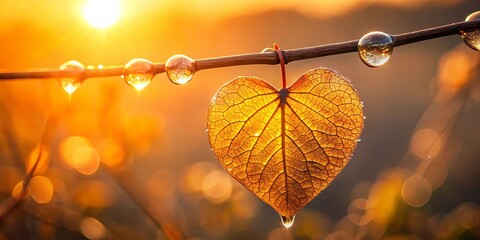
(285, 146)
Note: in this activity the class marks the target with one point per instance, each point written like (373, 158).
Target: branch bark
(270, 58)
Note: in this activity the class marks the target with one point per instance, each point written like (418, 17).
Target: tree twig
(270, 58)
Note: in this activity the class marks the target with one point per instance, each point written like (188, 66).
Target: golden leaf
(285, 146)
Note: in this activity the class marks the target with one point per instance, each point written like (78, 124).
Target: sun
(102, 13)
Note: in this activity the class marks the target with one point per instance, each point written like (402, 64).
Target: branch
(270, 58)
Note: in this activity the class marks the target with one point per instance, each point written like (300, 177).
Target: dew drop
(180, 69)
(375, 48)
(287, 221)
(71, 76)
(138, 73)
(472, 37)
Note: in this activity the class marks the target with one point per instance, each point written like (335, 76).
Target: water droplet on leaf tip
(287, 221)
(138, 73)
(472, 37)
(71, 75)
(375, 48)
(180, 69)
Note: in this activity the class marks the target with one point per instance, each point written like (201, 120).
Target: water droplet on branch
(287, 221)
(375, 48)
(71, 75)
(472, 37)
(180, 69)
(138, 73)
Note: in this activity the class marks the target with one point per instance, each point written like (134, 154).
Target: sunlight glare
(102, 13)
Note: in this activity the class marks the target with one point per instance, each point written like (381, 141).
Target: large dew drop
(375, 48)
(287, 221)
(472, 37)
(180, 69)
(71, 76)
(138, 73)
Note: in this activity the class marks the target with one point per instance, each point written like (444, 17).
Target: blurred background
(115, 163)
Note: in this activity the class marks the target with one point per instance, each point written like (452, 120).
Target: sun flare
(102, 13)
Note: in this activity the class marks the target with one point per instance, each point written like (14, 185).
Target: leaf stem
(270, 58)
(282, 64)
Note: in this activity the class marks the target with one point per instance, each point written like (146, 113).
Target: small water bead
(71, 76)
(180, 69)
(138, 73)
(472, 37)
(375, 48)
(287, 221)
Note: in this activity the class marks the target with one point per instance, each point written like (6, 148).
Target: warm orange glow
(217, 186)
(244, 205)
(86, 160)
(426, 143)
(68, 147)
(91, 228)
(359, 211)
(456, 70)
(43, 161)
(111, 152)
(18, 192)
(95, 194)
(10, 178)
(435, 172)
(102, 13)
(416, 191)
(41, 189)
(192, 181)
(160, 184)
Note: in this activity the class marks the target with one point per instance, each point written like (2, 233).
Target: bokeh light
(18, 192)
(111, 152)
(86, 160)
(426, 143)
(91, 228)
(69, 146)
(41, 189)
(416, 191)
(192, 181)
(217, 186)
